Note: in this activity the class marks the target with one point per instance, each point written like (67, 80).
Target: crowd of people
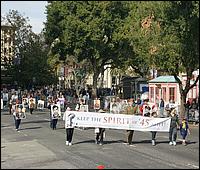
(58, 102)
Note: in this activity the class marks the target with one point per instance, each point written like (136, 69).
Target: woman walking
(67, 117)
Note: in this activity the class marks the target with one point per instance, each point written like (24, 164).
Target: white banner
(55, 111)
(120, 121)
(40, 104)
(19, 112)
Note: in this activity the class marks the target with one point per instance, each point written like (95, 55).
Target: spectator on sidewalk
(162, 106)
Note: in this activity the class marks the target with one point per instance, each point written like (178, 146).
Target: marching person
(184, 130)
(17, 113)
(50, 102)
(99, 132)
(67, 117)
(31, 105)
(153, 139)
(173, 127)
(129, 133)
(55, 116)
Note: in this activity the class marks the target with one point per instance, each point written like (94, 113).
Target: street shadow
(113, 141)
(86, 141)
(37, 127)
(105, 142)
(36, 121)
(189, 142)
(140, 141)
(7, 113)
(4, 126)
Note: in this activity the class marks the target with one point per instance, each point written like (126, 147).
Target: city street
(36, 146)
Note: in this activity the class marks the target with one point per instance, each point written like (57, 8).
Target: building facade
(7, 52)
(7, 45)
(167, 87)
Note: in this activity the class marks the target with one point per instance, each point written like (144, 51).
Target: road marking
(195, 166)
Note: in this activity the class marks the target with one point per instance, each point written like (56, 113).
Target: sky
(34, 10)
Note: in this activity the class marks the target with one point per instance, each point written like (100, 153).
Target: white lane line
(195, 166)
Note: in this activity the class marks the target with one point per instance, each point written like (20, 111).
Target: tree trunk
(94, 88)
(182, 106)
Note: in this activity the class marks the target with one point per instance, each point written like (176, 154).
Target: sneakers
(170, 143)
(100, 143)
(153, 142)
(184, 143)
(174, 143)
(68, 143)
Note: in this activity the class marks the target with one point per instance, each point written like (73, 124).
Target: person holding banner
(129, 133)
(153, 139)
(67, 117)
(173, 127)
(99, 132)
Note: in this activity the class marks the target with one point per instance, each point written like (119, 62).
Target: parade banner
(1, 104)
(31, 103)
(20, 111)
(120, 121)
(84, 108)
(55, 111)
(25, 102)
(97, 104)
(5, 96)
(114, 107)
(40, 105)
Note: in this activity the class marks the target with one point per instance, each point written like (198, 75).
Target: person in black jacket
(100, 132)
(173, 127)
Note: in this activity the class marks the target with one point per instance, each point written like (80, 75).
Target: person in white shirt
(67, 117)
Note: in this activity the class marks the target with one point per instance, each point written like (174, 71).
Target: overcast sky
(34, 10)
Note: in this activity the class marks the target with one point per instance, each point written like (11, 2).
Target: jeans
(172, 134)
(17, 123)
(54, 123)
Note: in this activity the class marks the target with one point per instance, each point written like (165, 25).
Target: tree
(165, 36)
(180, 43)
(30, 51)
(87, 31)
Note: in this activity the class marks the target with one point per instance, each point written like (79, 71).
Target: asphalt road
(37, 146)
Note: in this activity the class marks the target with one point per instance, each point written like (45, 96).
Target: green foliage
(88, 31)
(32, 52)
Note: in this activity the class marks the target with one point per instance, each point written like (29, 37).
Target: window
(9, 41)
(164, 93)
(10, 50)
(157, 91)
(172, 93)
(151, 94)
